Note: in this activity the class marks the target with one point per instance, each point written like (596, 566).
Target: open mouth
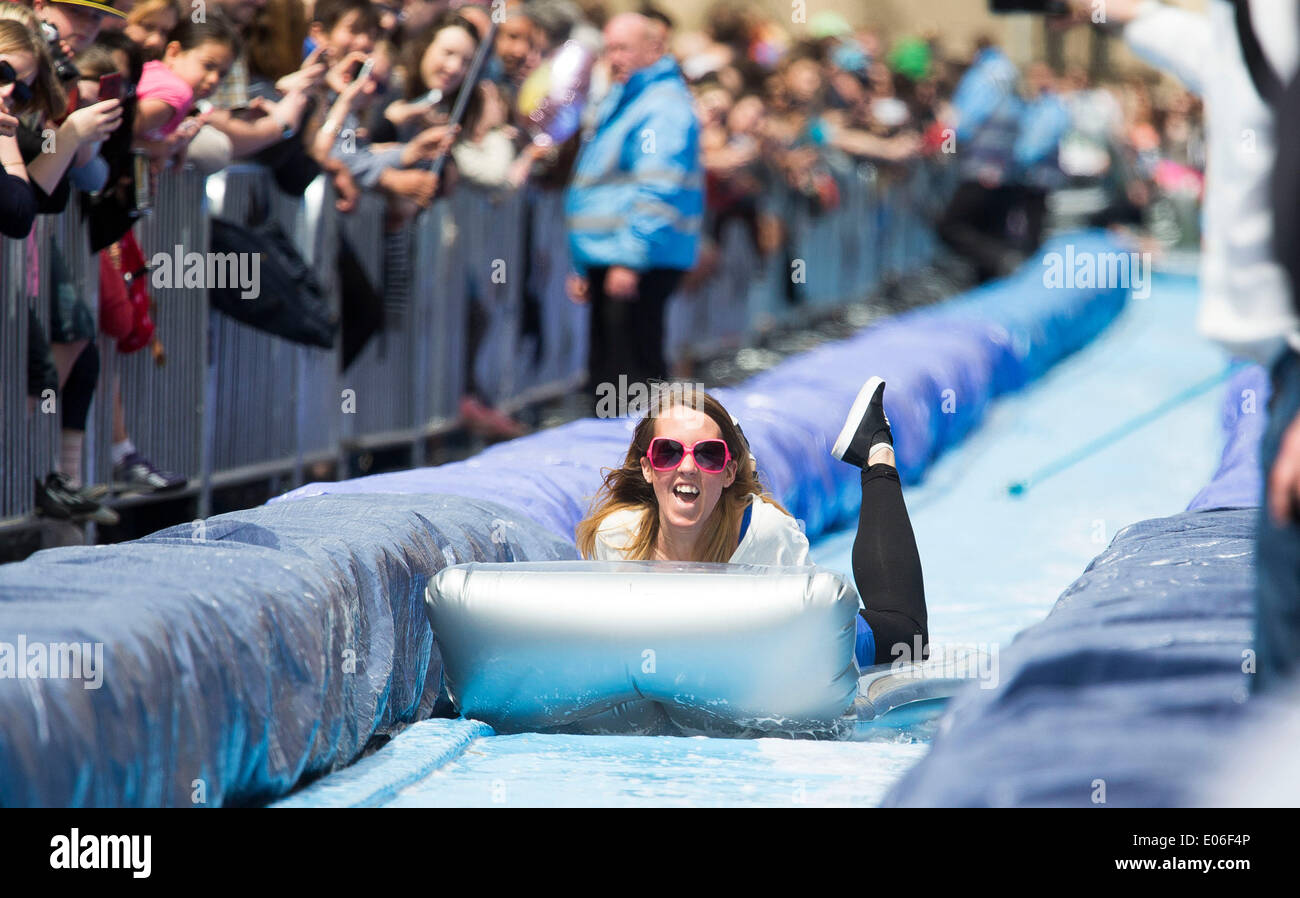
(687, 493)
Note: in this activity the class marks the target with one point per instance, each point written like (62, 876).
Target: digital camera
(64, 68)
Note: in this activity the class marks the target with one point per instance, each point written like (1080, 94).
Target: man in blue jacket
(1036, 154)
(988, 113)
(634, 208)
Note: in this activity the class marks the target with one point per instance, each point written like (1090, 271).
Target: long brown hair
(17, 36)
(626, 488)
(413, 51)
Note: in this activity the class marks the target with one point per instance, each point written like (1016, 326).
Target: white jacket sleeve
(794, 548)
(1174, 40)
(773, 538)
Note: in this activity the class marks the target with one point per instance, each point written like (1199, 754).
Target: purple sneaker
(138, 474)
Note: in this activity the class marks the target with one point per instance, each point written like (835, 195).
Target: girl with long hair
(689, 490)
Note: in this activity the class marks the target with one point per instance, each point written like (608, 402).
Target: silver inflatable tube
(648, 647)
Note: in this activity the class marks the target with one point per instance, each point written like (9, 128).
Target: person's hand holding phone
(429, 144)
(309, 74)
(423, 110)
(95, 122)
(358, 87)
(345, 71)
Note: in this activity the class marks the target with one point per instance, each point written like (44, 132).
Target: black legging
(79, 388)
(887, 567)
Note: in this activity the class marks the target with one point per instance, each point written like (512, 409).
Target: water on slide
(994, 564)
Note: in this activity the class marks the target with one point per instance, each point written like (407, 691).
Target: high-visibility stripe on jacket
(637, 196)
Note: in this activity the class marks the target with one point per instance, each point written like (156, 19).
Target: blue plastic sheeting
(1123, 693)
(943, 365)
(224, 655)
(270, 645)
(1238, 482)
(1116, 696)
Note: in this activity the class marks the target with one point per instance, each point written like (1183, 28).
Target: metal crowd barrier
(273, 401)
(881, 228)
(163, 405)
(31, 424)
(232, 403)
(17, 429)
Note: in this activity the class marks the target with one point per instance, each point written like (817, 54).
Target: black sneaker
(866, 427)
(137, 473)
(55, 502)
(58, 498)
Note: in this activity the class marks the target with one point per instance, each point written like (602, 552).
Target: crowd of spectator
(362, 92)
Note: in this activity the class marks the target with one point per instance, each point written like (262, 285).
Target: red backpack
(124, 295)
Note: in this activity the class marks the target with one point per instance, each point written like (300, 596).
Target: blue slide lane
(269, 645)
(377, 779)
(1131, 692)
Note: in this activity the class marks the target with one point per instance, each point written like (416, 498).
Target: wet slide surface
(994, 564)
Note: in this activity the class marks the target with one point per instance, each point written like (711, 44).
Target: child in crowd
(195, 59)
(122, 321)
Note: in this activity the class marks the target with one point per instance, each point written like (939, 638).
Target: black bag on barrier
(289, 301)
(363, 305)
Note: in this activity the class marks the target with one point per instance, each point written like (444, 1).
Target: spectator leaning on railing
(90, 152)
(635, 207)
(194, 61)
(110, 214)
(20, 67)
(390, 154)
(253, 124)
(56, 160)
(26, 83)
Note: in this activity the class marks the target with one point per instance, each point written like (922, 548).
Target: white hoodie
(1245, 298)
(773, 537)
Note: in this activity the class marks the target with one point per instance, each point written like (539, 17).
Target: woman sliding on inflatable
(688, 491)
